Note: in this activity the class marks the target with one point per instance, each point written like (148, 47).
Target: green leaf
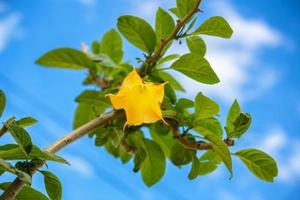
(2, 102)
(205, 107)
(233, 113)
(20, 135)
(208, 126)
(53, 185)
(221, 149)
(104, 60)
(184, 103)
(26, 121)
(175, 12)
(111, 45)
(154, 166)
(171, 80)
(93, 98)
(27, 193)
(102, 136)
(170, 94)
(180, 155)
(196, 67)
(14, 152)
(85, 113)
(196, 45)
(209, 162)
(138, 32)
(164, 24)
(165, 141)
(65, 58)
(5, 166)
(168, 58)
(96, 47)
(259, 163)
(185, 6)
(195, 168)
(241, 125)
(139, 158)
(215, 26)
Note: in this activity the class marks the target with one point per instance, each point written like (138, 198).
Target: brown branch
(165, 41)
(3, 131)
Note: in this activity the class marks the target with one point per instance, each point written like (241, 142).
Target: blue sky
(259, 66)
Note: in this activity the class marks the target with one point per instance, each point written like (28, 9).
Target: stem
(150, 61)
(3, 131)
(16, 186)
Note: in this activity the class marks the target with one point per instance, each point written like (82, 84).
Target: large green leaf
(205, 107)
(53, 185)
(20, 135)
(111, 45)
(196, 67)
(196, 45)
(221, 149)
(208, 126)
(14, 152)
(180, 155)
(215, 26)
(259, 163)
(195, 168)
(65, 58)
(154, 166)
(5, 166)
(2, 102)
(138, 32)
(85, 113)
(26, 121)
(164, 24)
(209, 162)
(171, 80)
(184, 7)
(27, 193)
(165, 141)
(93, 97)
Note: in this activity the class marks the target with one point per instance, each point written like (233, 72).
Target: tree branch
(165, 41)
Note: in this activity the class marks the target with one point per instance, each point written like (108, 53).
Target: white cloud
(286, 152)
(80, 165)
(9, 27)
(243, 74)
(87, 2)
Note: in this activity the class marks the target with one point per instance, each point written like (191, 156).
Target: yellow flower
(141, 101)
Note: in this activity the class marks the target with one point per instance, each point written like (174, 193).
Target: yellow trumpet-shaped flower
(141, 101)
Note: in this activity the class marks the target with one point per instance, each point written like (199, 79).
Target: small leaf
(184, 103)
(20, 135)
(5, 166)
(241, 125)
(185, 6)
(138, 32)
(111, 45)
(196, 67)
(221, 149)
(65, 58)
(209, 162)
(14, 152)
(259, 163)
(205, 107)
(26, 121)
(180, 155)
(164, 24)
(196, 45)
(139, 158)
(93, 97)
(53, 185)
(104, 60)
(168, 58)
(26, 193)
(2, 102)
(154, 166)
(215, 26)
(233, 113)
(171, 80)
(195, 168)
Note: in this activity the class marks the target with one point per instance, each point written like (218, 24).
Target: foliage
(187, 126)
